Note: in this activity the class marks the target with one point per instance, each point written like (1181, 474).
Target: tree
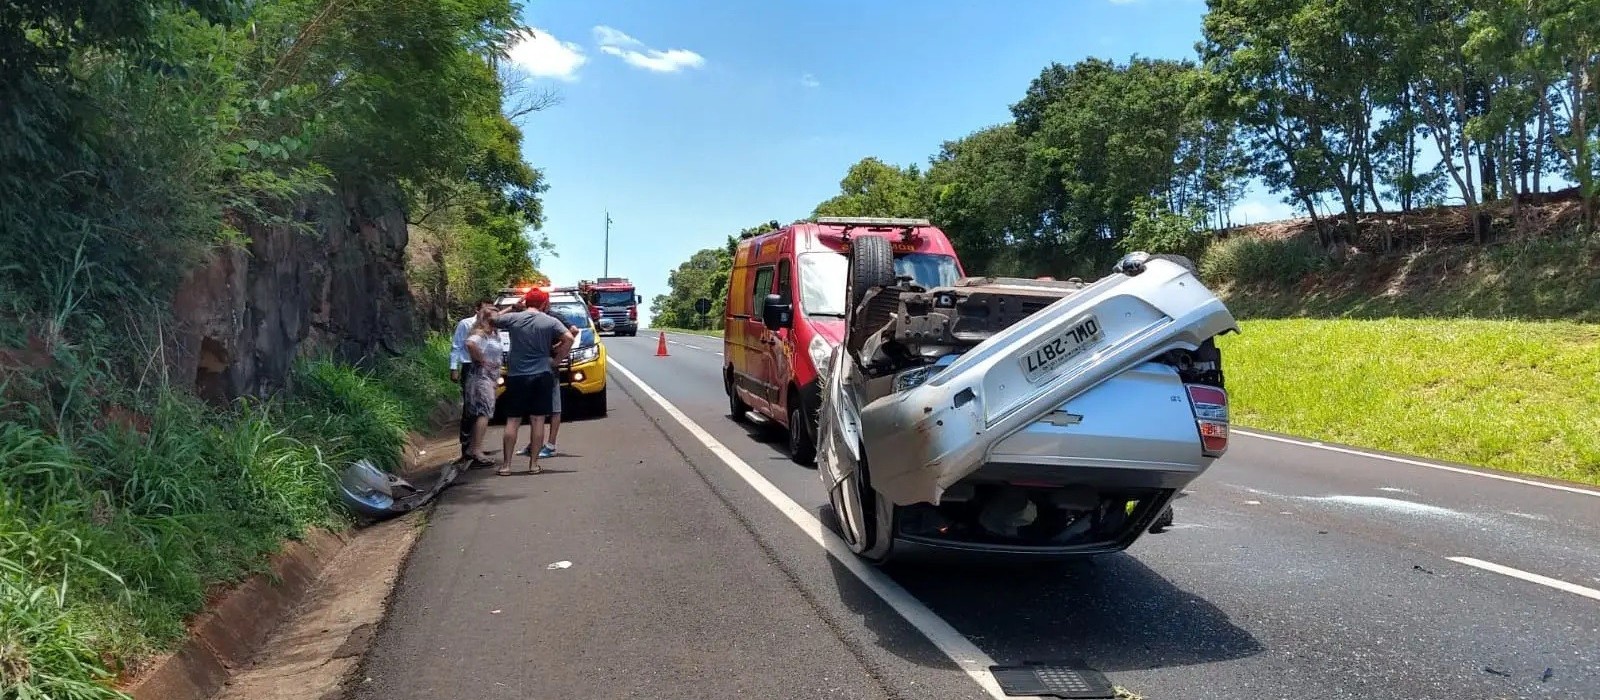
(981, 199)
(703, 276)
(874, 188)
(1301, 76)
(1572, 51)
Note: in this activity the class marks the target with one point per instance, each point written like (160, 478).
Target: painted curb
(230, 631)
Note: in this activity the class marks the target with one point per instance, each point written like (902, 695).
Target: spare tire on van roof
(871, 265)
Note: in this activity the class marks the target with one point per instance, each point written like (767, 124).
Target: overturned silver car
(1030, 417)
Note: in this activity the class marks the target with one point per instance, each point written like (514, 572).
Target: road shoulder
(616, 573)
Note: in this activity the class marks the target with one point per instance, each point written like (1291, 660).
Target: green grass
(1513, 395)
(112, 537)
(713, 334)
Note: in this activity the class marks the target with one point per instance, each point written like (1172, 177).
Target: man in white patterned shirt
(461, 368)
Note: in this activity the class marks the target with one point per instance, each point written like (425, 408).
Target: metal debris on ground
(372, 493)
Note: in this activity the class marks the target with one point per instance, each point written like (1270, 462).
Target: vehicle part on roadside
(372, 493)
(1070, 679)
(1021, 415)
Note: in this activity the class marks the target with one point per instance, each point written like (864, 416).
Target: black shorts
(529, 395)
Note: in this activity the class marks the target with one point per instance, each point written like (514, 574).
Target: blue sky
(689, 120)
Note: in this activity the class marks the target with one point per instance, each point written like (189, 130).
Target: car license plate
(1052, 353)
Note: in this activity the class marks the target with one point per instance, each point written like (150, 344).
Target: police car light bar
(870, 221)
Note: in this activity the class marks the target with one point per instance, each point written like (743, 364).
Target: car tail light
(633, 313)
(1210, 406)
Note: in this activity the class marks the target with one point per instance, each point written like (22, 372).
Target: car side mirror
(638, 299)
(776, 313)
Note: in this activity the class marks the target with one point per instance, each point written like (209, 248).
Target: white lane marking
(1420, 463)
(1557, 584)
(960, 650)
(1392, 489)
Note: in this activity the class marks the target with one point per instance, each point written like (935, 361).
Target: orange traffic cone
(661, 346)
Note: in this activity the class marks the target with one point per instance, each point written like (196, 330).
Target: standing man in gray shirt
(539, 342)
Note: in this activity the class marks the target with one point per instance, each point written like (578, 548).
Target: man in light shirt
(461, 368)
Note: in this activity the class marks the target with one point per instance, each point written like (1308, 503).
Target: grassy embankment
(1488, 357)
(691, 331)
(122, 509)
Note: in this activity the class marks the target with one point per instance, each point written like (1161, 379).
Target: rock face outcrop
(244, 316)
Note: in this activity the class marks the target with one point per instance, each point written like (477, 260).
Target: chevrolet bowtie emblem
(1062, 418)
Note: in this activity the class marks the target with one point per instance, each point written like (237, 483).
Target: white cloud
(544, 56)
(810, 81)
(608, 36)
(635, 53)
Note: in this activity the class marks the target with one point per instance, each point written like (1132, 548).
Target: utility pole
(606, 270)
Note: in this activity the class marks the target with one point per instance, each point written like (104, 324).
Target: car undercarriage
(1021, 415)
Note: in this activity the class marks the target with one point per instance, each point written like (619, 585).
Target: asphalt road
(1295, 571)
(698, 570)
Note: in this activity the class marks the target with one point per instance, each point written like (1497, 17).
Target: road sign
(702, 306)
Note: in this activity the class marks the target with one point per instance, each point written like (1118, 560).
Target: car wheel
(873, 514)
(1163, 521)
(802, 445)
(871, 265)
(845, 497)
(595, 405)
(736, 408)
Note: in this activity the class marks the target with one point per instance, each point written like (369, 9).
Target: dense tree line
(140, 135)
(703, 276)
(1343, 108)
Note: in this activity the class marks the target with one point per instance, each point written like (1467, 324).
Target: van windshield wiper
(830, 314)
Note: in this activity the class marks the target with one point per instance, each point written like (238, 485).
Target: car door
(780, 352)
(760, 349)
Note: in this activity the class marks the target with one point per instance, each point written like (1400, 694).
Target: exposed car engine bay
(900, 334)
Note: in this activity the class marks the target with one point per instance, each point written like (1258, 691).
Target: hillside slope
(1419, 264)
(1441, 347)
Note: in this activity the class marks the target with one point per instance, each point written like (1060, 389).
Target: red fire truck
(613, 303)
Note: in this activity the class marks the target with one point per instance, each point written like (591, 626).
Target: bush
(1156, 229)
(1249, 260)
(109, 541)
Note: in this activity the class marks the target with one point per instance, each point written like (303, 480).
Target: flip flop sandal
(503, 471)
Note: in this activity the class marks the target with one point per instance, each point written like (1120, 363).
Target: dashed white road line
(961, 650)
(1419, 463)
(1557, 584)
(695, 347)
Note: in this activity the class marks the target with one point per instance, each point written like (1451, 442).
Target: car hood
(831, 329)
